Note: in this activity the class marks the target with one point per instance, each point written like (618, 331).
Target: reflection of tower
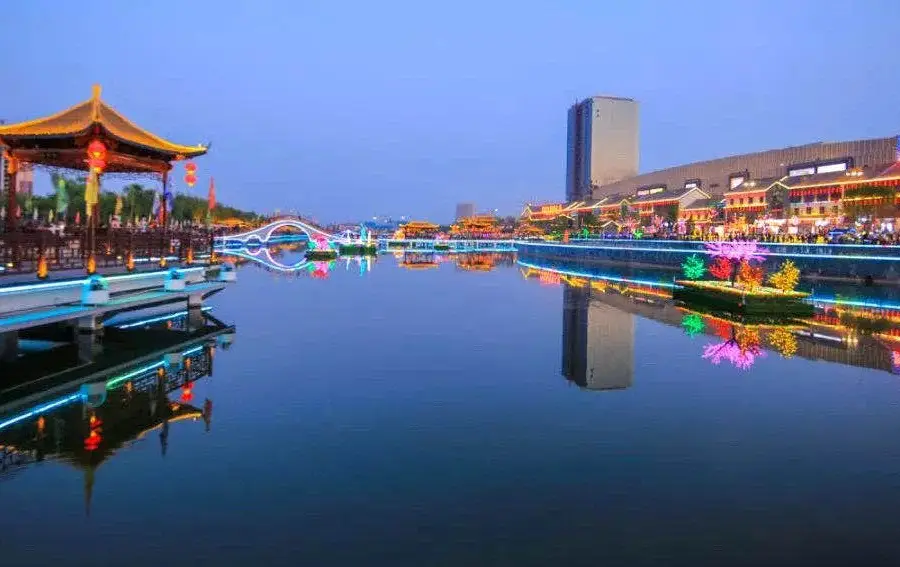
(598, 342)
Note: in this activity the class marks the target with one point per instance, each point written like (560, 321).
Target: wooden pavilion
(90, 136)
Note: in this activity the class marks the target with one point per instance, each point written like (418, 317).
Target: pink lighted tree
(736, 253)
(741, 350)
(733, 353)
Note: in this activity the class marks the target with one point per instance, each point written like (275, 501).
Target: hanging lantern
(129, 262)
(162, 262)
(190, 175)
(190, 256)
(91, 267)
(96, 159)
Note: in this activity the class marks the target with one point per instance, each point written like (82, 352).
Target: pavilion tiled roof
(82, 117)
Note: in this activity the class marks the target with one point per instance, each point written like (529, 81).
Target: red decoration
(96, 152)
(190, 176)
(721, 268)
(187, 392)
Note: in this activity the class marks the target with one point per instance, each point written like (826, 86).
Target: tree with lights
(751, 277)
(736, 254)
(786, 278)
(694, 267)
(721, 268)
(693, 324)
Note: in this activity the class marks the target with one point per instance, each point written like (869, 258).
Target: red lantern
(96, 159)
(190, 176)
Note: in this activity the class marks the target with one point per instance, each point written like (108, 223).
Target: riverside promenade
(839, 262)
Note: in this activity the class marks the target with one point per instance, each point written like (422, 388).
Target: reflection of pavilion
(598, 342)
(85, 418)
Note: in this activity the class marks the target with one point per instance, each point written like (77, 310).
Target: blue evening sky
(343, 110)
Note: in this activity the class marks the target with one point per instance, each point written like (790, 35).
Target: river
(438, 414)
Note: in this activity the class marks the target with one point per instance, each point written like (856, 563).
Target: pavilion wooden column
(165, 195)
(12, 167)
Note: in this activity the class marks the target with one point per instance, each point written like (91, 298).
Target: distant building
(598, 342)
(602, 144)
(724, 175)
(464, 210)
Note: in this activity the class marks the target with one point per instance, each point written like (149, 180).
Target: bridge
(263, 257)
(266, 234)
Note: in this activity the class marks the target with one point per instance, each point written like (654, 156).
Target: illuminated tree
(736, 254)
(694, 267)
(693, 324)
(721, 268)
(784, 341)
(741, 251)
(749, 276)
(786, 278)
(741, 350)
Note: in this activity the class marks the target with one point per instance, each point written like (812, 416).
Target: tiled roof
(835, 177)
(81, 117)
(666, 195)
(702, 203)
(754, 185)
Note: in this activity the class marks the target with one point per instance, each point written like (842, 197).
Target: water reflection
(139, 381)
(599, 321)
(598, 342)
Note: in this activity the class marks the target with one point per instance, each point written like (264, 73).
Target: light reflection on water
(431, 410)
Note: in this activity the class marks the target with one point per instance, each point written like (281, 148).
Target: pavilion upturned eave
(74, 126)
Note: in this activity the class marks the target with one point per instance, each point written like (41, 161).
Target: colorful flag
(91, 194)
(119, 206)
(211, 198)
(62, 196)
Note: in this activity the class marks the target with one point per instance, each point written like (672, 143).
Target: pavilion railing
(20, 252)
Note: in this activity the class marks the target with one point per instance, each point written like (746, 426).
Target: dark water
(445, 416)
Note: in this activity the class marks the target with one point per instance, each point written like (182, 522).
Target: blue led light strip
(598, 277)
(166, 317)
(59, 402)
(703, 251)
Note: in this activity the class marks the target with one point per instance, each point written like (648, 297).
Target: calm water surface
(456, 417)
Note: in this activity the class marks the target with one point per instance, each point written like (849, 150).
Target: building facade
(602, 144)
(722, 175)
(464, 210)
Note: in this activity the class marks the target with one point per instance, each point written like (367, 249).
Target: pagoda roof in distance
(81, 118)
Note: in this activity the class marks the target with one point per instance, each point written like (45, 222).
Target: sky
(344, 110)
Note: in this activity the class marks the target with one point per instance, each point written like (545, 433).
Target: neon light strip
(76, 283)
(702, 251)
(40, 409)
(598, 277)
(853, 303)
(166, 317)
(44, 408)
(760, 243)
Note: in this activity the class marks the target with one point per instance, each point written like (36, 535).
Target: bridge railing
(21, 251)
